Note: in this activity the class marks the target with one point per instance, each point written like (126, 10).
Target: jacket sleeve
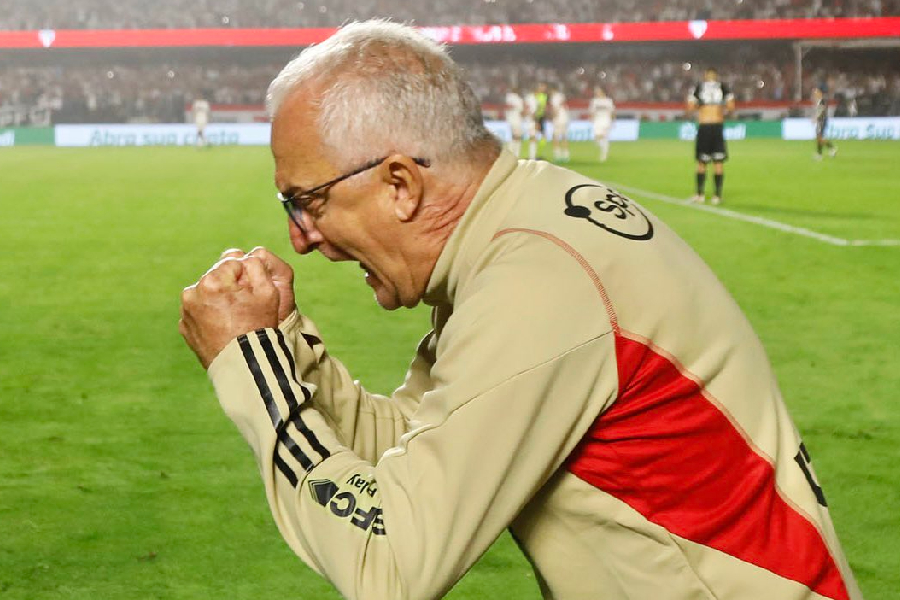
(517, 382)
(365, 422)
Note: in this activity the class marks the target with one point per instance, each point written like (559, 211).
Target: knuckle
(209, 283)
(229, 264)
(225, 262)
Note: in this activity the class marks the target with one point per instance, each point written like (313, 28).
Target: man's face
(711, 75)
(353, 220)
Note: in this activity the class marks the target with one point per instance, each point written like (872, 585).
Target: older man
(588, 383)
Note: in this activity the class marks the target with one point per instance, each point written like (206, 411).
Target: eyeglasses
(295, 204)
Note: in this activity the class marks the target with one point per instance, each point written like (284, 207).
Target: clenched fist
(239, 294)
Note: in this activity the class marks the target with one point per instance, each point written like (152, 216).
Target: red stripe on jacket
(671, 454)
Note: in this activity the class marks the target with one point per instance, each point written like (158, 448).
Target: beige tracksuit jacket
(588, 384)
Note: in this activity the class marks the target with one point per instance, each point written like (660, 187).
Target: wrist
(290, 322)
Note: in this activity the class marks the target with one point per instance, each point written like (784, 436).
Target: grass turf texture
(121, 478)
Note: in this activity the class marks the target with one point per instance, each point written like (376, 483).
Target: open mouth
(370, 277)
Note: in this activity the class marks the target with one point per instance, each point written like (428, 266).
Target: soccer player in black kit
(820, 118)
(712, 100)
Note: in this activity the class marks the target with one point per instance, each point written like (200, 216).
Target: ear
(404, 176)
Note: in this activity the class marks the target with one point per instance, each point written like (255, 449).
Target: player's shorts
(821, 127)
(542, 124)
(710, 146)
(515, 126)
(560, 127)
(602, 127)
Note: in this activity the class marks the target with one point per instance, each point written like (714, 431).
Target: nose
(305, 243)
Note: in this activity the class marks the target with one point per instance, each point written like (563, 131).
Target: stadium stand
(116, 93)
(156, 85)
(158, 92)
(131, 14)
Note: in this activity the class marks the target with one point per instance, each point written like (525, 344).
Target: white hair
(384, 87)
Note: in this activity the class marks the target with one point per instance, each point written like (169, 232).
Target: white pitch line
(771, 224)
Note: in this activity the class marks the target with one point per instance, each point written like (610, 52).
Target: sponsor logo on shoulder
(344, 504)
(364, 485)
(608, 210)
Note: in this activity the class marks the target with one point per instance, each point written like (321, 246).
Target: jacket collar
(472, 234)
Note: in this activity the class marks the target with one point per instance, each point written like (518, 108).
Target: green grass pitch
(120, 478)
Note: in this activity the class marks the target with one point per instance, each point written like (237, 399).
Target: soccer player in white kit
(515, 106)
(201, 110)
(603, 111)
(560, 125)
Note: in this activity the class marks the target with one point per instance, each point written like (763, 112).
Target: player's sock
(604, 149)
(532, 149)
(719, 179)
(819, 148)
(701, 183)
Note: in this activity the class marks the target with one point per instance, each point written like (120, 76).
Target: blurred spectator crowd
(104, 90)
(633, 80)
(118, 94)
(870, 87)
(160, 92)
(132, 14)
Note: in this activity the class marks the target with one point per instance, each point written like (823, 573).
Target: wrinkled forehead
(293, 124)
(296, 143)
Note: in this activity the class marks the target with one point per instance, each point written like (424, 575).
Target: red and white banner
(784, 29)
